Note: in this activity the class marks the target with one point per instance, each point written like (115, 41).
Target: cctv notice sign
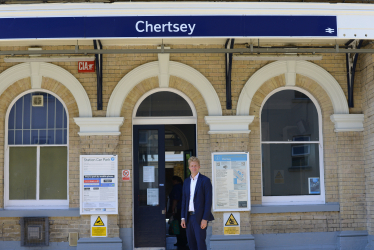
(98, 184)
(231, 181)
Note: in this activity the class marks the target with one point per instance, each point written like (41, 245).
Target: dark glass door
(149, 186)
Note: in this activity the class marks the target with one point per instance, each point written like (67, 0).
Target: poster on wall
(231, 181)
(98, 184)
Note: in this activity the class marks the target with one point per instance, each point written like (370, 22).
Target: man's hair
(195, 159)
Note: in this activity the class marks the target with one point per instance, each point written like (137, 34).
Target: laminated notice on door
(148, 174)
(152, 196)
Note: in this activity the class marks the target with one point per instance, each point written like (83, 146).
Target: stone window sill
(328, 207)
(71, 212)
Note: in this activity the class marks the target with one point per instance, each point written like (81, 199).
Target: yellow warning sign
(231, 230)
(231, 221)
(279, 179)
(99, 222)
(99, 231)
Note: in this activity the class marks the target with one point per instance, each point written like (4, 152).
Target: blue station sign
(167, 26)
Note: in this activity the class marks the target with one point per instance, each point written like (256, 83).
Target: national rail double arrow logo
(329, 30)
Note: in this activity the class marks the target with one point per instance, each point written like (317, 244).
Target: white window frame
(296, 199)
(164, 119)
(33, 204)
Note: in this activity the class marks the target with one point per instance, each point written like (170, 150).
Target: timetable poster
(231, 181)
(98, 184)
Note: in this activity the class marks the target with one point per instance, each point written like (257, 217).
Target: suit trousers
(195, 235)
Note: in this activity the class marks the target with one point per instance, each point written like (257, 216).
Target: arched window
(291, 138)
(37, 151)
(164, 106)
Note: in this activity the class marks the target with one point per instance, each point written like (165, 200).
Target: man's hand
(183, 223)
(204, 224)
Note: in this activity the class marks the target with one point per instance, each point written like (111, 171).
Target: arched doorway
(164, 137)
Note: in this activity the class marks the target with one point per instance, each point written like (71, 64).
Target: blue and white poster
(231, 181)
(98, 184)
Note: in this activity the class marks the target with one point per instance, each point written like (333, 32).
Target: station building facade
(291, 115)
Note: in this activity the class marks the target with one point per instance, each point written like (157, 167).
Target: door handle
(163, 211)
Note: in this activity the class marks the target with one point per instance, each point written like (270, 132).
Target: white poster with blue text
(98, 184)
(231, 181)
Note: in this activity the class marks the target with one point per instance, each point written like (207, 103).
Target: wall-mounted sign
(231, 181)
(125, 175)
(98, 184)
(86, 66)
(168, 26)
(231, 223)
(99, 225)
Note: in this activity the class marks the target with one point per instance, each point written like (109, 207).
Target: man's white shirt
(193, 183)
(191, 207)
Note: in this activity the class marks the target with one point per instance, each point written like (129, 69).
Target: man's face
(194, 168)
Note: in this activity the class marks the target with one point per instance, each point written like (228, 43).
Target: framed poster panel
(98, 184)
(231, 182)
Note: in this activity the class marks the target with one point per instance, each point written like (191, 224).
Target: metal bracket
(228, 58)
(351, 62)
(99, 74)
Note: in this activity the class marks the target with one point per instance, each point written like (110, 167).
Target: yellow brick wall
(343, 153)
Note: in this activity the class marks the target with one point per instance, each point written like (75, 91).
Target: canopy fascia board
(354, 21)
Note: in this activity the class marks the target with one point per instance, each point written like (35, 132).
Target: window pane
(51, 103)
(59, 114)
(51, 137)
(148, 168)
(26, 110)
(22, 173)
(23, 115)
(164, 103)
(11, 119)
(11, 137)
(289, 115)
(18, 113)
(18, 136)
(58, 136)
(43, 137)
(290, 169)
(53, 173)
(26, 137)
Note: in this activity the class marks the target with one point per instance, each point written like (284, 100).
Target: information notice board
(98, 184)
(231, 186)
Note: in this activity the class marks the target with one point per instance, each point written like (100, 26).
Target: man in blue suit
(196, 206)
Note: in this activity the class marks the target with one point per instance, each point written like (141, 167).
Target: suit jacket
(202, 198)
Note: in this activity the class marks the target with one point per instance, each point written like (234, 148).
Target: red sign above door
(86, 66)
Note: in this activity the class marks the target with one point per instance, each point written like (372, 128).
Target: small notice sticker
(231, 221)
(99, 222)
(125, 175)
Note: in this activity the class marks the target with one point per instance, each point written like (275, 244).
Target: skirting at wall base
(237, 242)
(126, 236)
(352, 240)
(99, 243)
(346, 240)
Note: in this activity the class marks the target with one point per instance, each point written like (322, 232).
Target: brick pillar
(103, 145)
(230, 143)
(351, 180)
(367, 91)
